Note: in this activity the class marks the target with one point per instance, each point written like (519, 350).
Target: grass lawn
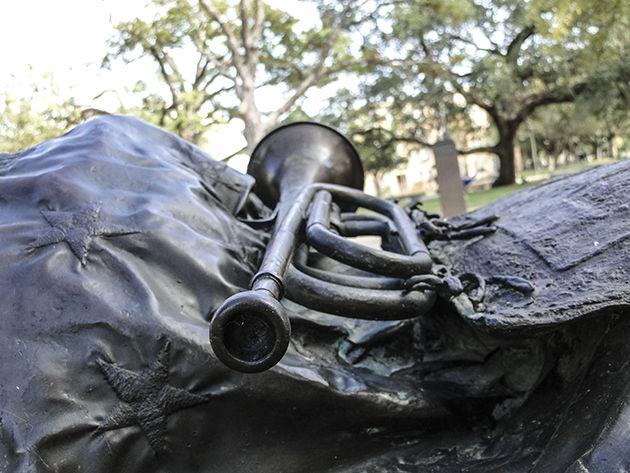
(475, 200)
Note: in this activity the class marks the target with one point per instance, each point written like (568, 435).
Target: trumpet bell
(300, 153)
(312, 175)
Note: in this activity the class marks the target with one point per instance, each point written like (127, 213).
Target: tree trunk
(507, 170)
(534, 150)
(562, 158)
(254, 131)
(377, 184)
(519, 166)
(504, 149)
(614, 151)
(598, 151)
(251, 116)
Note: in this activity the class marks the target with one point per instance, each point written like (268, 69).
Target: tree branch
(316, 70)
(312, 77)
(243, 149)
(491, 109)
(260, 21)
(457, 37)
(201, 70)
(244, 13)
(454, 78)
(171, 63)
(212, 95)
(514, 48)
(478, 149)
(230, 37)
(392, 136)
(251, 35)
(210, 78)
(166, 76)
(547, 98)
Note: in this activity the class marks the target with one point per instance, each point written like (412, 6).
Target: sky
(68, 39)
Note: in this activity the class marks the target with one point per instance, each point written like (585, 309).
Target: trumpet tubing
(312, 175)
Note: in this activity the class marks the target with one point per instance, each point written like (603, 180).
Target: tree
(592, 125)
(508, 59)
(26, 121)
(242, 50)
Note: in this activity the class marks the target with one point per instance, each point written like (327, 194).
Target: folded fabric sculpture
(118, 239)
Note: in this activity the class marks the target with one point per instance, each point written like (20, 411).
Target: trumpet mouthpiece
(250, 331)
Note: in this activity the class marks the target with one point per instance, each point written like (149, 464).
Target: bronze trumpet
(312, 175)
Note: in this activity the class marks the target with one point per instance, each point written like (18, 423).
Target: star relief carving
(146, 398)
(78, 230)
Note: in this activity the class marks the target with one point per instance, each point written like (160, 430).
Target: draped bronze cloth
(118, 239)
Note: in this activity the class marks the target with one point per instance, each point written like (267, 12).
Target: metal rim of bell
(355, 156)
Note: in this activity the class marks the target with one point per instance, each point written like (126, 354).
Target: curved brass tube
(301, 169)
(350, 280)
(355, 302)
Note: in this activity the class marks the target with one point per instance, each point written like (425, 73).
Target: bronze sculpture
(118, 240)
(299, 168)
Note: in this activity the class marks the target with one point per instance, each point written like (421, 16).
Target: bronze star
(77, 229)
(146, 398)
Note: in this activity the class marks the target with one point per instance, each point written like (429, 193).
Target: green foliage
(26, 121)
(236, 51)
(410, 69)
(437, 61)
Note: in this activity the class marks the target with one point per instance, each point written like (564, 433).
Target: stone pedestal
(450, 185)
